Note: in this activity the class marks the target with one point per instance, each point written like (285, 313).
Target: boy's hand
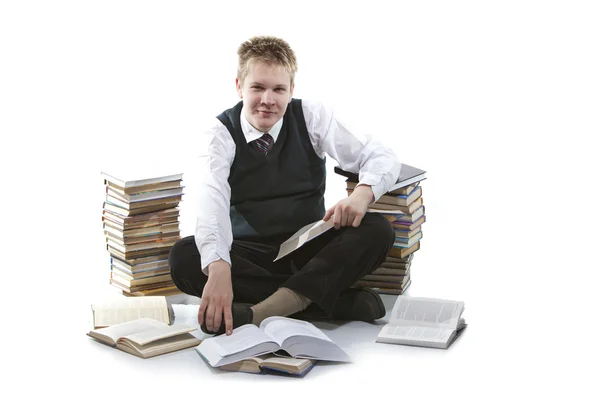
(351, 210)
(217, 298)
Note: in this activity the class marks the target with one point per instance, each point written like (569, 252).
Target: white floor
(186, 372)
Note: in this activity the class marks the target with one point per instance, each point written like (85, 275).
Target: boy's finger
(228, 320)
(201, 311)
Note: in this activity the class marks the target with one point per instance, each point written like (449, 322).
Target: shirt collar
(251, 133)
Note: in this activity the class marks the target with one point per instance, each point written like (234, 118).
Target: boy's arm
(213, 234)
(377, 165)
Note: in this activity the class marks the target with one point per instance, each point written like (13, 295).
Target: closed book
(384, 278)
(406, 234)
(129, 179)
(129, 256)
(117, 231)
(161, 291)
(393, 291)
(125, 288)
(398, 200)
(172, 200)
(403, 252)
(406, 218)
(408, 176)
(406, 243)
(158, 216)
(142, 239)
(403, 190)
(414, 206)
(141, 267)
(137, 275)
(144, 188)
(142, 261)
(144, 196)
(390, 271)
(145, 210)
(407, 226)
(131, 283)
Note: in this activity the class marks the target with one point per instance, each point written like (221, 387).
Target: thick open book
(269, 365)
(146, 337)
(421, 321)
(118, 310)
(299, 339)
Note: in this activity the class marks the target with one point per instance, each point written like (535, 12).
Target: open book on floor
(146, 337)
(114, 311)
(272, 365)
(421, 321)
(300, 339)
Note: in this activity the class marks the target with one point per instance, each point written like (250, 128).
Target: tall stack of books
(403, 207)
(141, 224)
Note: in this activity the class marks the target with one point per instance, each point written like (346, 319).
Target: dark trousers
(320, 270)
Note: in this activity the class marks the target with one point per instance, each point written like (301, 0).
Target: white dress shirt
(376, 165)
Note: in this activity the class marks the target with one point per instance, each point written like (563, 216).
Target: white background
(498, 101)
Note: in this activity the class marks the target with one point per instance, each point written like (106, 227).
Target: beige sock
(282, 303)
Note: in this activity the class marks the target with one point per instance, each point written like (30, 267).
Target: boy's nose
(267, 98)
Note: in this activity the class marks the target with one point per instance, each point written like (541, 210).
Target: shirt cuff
(376, 184)
(210, 254)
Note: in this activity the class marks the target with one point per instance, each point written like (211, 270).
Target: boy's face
(266, 92)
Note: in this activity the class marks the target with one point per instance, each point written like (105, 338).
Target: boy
(264, 180)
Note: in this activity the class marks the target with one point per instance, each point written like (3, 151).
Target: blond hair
(269, 50)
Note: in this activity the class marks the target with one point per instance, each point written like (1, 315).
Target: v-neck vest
(274, 195)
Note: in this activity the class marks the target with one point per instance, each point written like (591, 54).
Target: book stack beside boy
(403, 207)
(141, 225)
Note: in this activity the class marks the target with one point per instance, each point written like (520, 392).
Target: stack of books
(403, 207)
(141, 224)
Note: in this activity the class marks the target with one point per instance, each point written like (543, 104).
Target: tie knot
(264, 143)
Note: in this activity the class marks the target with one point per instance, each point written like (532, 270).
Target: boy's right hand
(217, 298)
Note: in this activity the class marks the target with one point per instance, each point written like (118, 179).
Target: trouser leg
(254, 276)
(333, 262)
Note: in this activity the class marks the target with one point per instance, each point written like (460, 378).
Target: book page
(242, 338)
(281, 328)
(128, 328)
(119, 310)
(424, 311)
(417, 334)
(305, 234)
(164, 331)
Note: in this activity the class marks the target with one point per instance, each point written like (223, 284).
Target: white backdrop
(498, 101)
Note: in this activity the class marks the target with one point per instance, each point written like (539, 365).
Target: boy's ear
(238, 87)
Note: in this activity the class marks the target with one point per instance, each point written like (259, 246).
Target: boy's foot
(359, 304)
(242, 315)
(355, 304)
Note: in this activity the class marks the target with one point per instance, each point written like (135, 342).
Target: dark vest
(274, 195)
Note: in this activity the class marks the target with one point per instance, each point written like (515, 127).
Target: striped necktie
(264, 144)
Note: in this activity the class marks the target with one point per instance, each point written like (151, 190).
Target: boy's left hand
(351, 210)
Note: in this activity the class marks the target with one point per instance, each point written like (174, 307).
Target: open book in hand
(300, 339)
(146, 337)
(304, 235)
(421, 321)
